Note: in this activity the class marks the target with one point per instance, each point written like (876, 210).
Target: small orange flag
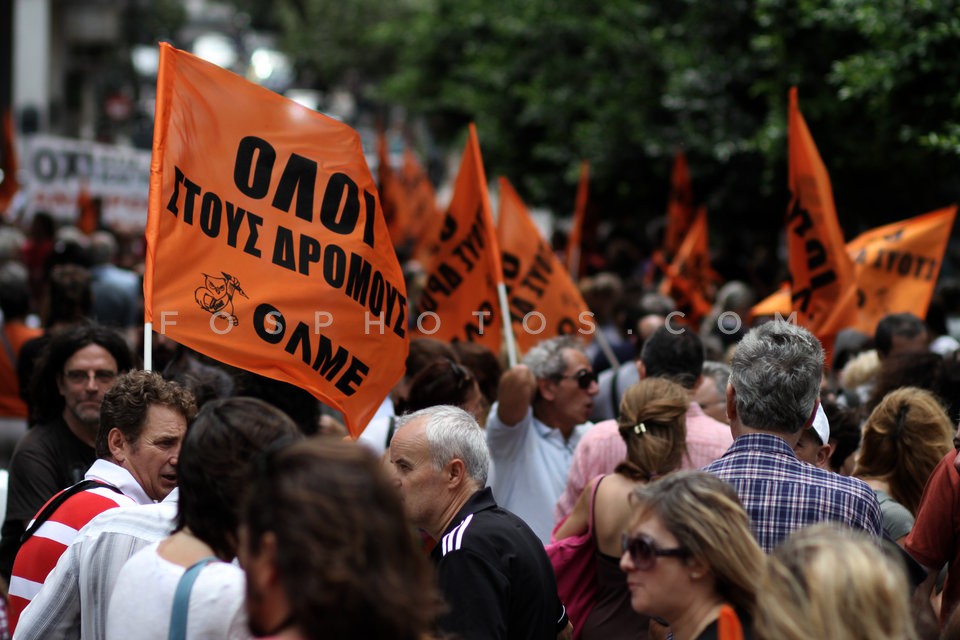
(392, 196)
(459, 300)
(421, 198)
(89, 217)
(823, 287)
(897, 265)
(8, 163)
(689, 275)
(575, 241)
(680, 206)
(778, 302)
(544, 301)
(266, 245)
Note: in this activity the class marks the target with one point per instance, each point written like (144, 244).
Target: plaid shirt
(782, 494)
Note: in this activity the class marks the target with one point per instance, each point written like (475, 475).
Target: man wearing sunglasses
(533, 429)
(772, 395)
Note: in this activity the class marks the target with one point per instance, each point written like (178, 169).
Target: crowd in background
(568, 443)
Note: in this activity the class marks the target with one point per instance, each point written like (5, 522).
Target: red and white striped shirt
(39, 554)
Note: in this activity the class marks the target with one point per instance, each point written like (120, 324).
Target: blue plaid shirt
(782, 494)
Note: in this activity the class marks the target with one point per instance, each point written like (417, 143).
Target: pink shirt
(602, 448)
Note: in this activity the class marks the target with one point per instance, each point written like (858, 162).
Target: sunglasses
(644, 551)
(584, 378)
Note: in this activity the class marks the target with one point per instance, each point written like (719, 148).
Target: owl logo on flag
(216, 294)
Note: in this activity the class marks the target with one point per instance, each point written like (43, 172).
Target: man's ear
(456, 472)
(116, 443)
(823, 455)
(731, 403)
(547, 389)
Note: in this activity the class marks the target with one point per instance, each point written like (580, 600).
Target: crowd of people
(724, 482)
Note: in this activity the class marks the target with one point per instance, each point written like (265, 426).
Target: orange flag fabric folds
(459, 300)
(897, 265)
(8, 163)
(266, 245)
(391, 194)
(689, 275)
(544, 302)
(680, 206)
(575, 242)
(823, 288)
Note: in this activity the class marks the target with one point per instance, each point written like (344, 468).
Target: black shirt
(495, 575)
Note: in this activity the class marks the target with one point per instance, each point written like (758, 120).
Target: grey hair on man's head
(776, 373)
(718, 372)
(545, 359)
(453, 433)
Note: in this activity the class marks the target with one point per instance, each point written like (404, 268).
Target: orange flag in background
(392, 196)
(680, 214)
(823, 287)
(421, 198)
(575, 241)
(88, 218)
(897, 265)
(544, 301)
(459, 299)
(689, 275)
(266, 246)
(8, 163)
(778, 302)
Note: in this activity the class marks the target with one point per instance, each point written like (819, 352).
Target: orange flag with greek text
(680, 214)
(459, 298)
(897, 265)
(689, 275)
(823, 287)
(8, 163)
(575, 241)
(266, 244)
(544, 301)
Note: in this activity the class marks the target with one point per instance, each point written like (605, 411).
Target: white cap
(821, 426)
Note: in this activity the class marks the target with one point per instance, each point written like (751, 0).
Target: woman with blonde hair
(653, 425)
(828, 581)
(689, 554)
(904, 438)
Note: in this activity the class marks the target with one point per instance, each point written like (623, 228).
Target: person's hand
(567, 633)
(518, 386)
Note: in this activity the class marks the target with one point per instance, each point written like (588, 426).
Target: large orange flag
(392, 196)
(266, 245)
(8, 163)
(544, 301)
(460, 300)
(689, 275)
(823, 287)
(897, 265)
(680, 215)
(575, 241)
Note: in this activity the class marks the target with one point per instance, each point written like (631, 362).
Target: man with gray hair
(534, 428)
(491, 568)
(772, 398)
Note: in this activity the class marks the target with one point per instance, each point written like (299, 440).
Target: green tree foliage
(624, 84)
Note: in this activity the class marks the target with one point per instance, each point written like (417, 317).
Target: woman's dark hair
(348, 561)
(484, 364)
(440, 382)
(213, 470)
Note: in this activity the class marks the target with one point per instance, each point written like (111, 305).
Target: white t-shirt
(142, 600)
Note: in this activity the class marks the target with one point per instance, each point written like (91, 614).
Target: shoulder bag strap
(7, 346)
(593, 497)
(181, 599)
(615, 393)
(54, 504)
